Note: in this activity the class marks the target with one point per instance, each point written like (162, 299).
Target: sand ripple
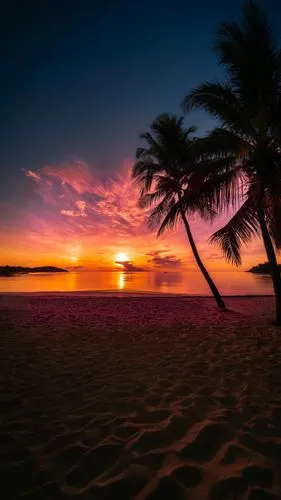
(135, 398)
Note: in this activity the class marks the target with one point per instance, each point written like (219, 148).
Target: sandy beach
(147, 397)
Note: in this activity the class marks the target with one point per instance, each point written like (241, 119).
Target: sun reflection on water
(121, 281)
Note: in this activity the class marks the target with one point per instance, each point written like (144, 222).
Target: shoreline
(110, 310)
(116, 293)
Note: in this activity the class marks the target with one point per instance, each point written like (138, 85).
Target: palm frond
(160, 211)
(143, 173)
(224, 143)
(191, 130)
(166, 162)
(165, 124)
(148, 199)
(170, 220)
(273, 217)
(249, 53)
(154, 148)
(220, 101)
(143, 166)
(200, 205)
(142, 153)
(237, 232)
(220, 191)
(168, 182)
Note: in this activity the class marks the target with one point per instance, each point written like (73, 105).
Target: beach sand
(105, 397)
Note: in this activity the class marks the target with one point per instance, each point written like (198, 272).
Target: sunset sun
(121, 257)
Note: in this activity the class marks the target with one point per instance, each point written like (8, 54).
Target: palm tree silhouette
(248, 107)
(169, 175)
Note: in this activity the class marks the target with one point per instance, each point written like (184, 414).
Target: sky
(80, 81)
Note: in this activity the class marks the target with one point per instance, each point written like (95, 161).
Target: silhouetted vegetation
(248, 138)
(170, 171)
(12, 270)
(262, 268)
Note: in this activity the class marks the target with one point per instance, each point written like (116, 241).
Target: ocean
(175, 282)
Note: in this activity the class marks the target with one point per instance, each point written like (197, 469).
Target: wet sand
(105, 397)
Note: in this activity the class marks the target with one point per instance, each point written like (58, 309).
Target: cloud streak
(72, 216)
(129, 266)
(161, 258)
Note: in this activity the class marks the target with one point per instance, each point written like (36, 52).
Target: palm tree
(168, 178)
(248, 108)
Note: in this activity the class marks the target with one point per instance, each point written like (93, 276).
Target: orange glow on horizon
(121, 257)
(75, 219)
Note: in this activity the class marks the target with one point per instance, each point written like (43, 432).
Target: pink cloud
(74, 204)
(70, 207)
(162, 258)
(33, 175)
(80, 212)
(70, 213)
(78, 176)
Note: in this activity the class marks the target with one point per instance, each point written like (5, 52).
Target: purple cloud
(128, 266)
(159, 259)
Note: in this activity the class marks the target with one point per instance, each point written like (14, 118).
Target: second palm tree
(169, 174)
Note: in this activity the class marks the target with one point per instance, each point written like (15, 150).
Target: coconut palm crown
(170, 177)
(248, 108)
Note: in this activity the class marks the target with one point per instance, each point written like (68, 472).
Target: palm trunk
(271, 257)
(201, 266)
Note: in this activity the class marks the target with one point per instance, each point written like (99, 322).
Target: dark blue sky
(84, 78)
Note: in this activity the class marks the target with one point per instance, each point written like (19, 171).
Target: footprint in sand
(188, 476)
(125, 488)
(167, 489)
(61, 441)
(126, 432)
(207, 443)
(265, 427)
(268, 448)
(152, 460)
(151, 417)
(258, 476)
(229, 489)
(175, 429)
(152, 440)
(232, 454)
(93, 464)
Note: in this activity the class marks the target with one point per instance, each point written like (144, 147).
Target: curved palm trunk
(201, 266)
(275, 273)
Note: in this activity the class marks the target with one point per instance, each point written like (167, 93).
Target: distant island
(262, 268)
(12, 270)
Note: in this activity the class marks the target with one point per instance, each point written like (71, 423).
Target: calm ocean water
(191, 283)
